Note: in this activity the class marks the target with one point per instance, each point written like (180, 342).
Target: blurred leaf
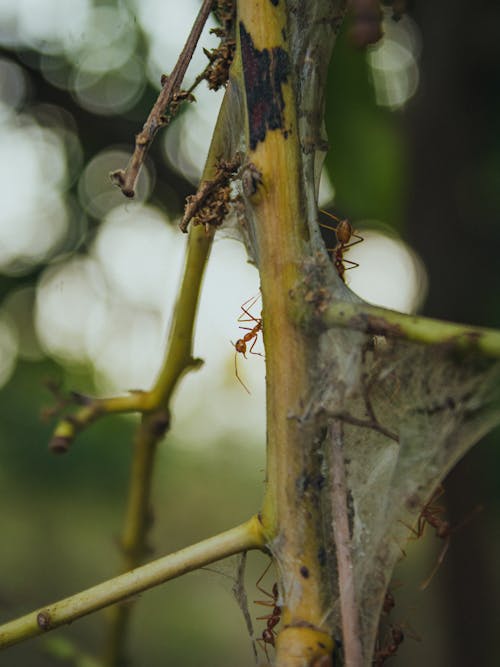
(366, 160)
(62, 648)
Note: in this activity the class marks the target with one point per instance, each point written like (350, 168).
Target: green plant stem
(383, 322)
(236, 540)
(290, 516)
(69, 426)
(138, 519)
(155, 422)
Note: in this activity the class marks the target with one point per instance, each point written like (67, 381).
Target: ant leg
(436, 567)
(354, 265)
(252, 300)
(246, 308)
(418, 531)
(259, 354)
(325, 226)
(236, 373)
(263, 644)
(356, 236)
(259, 587)
(330, 215)
(251, 318)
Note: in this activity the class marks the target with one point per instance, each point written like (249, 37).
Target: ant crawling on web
(253, 332)
(269, 633)
(390, 649)
(431, 515)
(344, 233)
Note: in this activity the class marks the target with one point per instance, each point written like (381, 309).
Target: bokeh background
(88, 280)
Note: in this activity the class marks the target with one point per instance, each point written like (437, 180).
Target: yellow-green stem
(290, 517)
(177, 361)
(241, 538)
(384, 322)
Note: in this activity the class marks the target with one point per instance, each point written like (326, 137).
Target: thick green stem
(290, 514)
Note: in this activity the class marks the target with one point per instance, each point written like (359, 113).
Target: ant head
(240, 346)
(397, 634)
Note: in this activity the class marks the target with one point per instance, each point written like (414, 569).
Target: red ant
(430, 514)
(344, 233)
(241, 344)
(269, 633)
(391, 648)
(389, 602)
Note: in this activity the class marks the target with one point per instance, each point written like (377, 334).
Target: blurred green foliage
(366, 162)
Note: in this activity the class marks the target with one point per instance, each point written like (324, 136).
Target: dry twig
(126, 179)
(210, 204)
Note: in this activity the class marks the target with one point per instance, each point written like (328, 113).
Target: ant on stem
(389, 602)
(241, 344)
(344, 233)
(269, 633)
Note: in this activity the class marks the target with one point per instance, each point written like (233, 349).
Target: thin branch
(340, 523)
(137, 524)
(89, 411)
(127, 179)
(364, 423)
(240, 595)
(382, 322)
(246, 536)
(177, 361)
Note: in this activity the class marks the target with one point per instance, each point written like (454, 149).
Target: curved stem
(155, 422)
(383, 322)
(248, 535)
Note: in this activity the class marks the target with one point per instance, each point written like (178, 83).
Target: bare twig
(126, 179)
(341, 532)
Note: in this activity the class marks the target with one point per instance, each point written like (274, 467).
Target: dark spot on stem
(43, 620)
(322, 556)
(159, 424)
(304, 572)
(265, 73)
